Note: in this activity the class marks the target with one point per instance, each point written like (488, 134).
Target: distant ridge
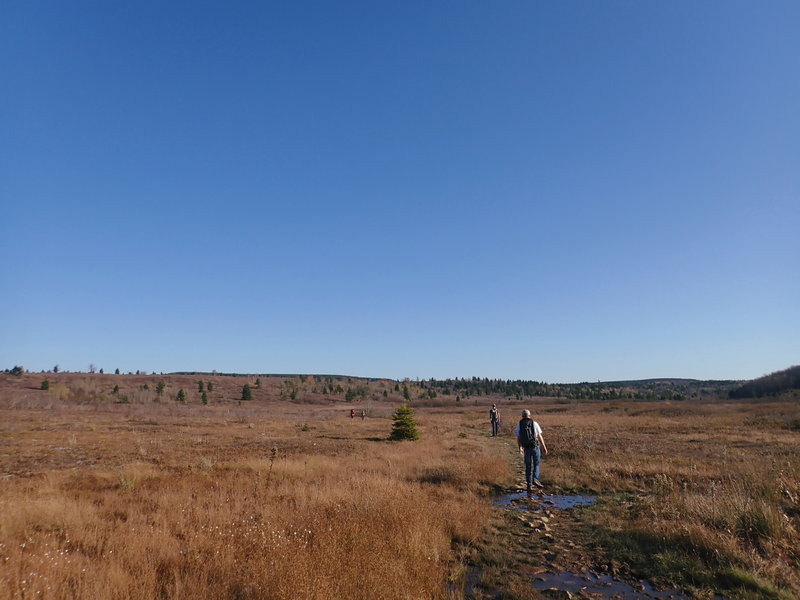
(665, 380)
(656, 388)
(281, 375)
(339, 377)
(769, 385)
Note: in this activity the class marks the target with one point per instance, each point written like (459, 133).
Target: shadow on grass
(680, 561)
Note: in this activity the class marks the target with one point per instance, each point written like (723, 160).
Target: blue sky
(560, 191)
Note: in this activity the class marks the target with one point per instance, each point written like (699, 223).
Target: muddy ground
(542, 546)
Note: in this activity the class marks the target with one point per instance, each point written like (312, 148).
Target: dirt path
(541, 547)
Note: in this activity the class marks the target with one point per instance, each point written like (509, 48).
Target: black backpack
(527, 437)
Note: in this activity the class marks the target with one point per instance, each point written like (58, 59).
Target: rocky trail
(538, 547)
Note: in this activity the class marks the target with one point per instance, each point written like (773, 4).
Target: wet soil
(592, 585)
(545, 550)
(519, 500)
(538, 547)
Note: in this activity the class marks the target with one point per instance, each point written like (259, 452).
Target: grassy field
(699, 497)
(131, 494)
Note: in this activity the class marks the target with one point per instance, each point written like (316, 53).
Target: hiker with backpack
(531, 443)
(494, 417)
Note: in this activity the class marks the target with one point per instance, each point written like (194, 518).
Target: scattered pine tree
(404, 427)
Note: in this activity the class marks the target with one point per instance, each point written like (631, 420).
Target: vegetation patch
(218, 497)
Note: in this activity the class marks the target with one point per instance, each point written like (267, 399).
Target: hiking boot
(537, 483)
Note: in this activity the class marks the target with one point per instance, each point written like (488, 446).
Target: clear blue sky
(559, 191)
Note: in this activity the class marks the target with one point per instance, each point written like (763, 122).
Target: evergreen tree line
(769, 385)
(633, 390)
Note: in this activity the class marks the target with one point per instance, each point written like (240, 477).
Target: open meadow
(134, 493)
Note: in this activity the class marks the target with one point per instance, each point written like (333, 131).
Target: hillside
(770, 385)
(142, 387)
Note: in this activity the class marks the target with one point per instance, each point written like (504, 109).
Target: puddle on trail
(520, 501)
(601, 586)
(583, 584)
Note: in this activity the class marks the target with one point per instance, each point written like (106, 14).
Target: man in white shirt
(531, 443)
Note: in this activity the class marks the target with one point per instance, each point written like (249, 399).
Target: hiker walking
(363, 414)
(531, 443)
(352, 413)
(494, 417)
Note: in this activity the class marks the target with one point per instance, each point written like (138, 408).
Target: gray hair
(526, 413)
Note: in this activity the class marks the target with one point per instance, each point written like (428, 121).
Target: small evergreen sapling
(246, 393)
(404, 427)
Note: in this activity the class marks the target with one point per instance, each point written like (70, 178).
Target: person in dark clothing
(531, 444)
(494, 417)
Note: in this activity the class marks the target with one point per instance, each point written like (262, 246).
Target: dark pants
(495, 427)
(533, 460)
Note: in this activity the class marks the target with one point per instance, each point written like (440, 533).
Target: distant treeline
(769, 385)
(300, 376)
(651, 389)
(646, 389)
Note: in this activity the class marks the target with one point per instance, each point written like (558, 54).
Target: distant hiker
(531, 443)
(494, 417)
(352, 413)
(363, 414)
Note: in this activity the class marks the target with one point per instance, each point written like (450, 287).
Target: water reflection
(601, 586)
(520, 501)
(592, 585)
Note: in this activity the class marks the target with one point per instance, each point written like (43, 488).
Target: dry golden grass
(151, 498)
(716, 489)
(267, 500)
